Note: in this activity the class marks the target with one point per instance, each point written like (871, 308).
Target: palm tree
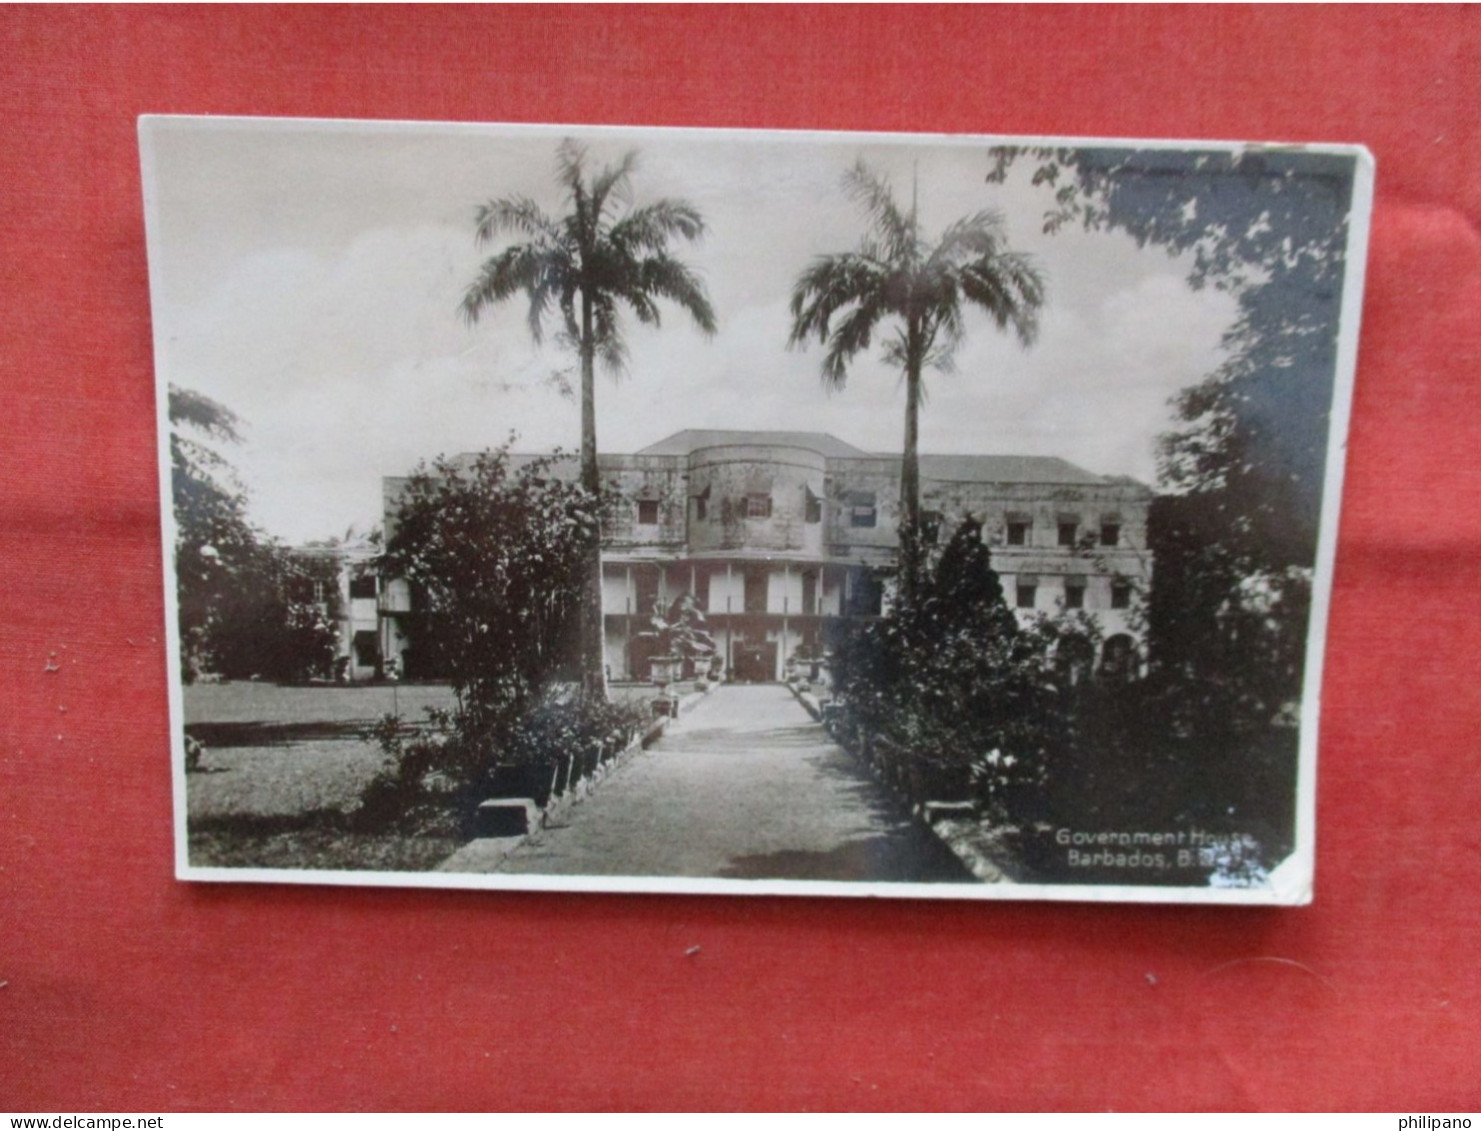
(600, 255)
(897, 274)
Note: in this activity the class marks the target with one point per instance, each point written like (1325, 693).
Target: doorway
(755, 663)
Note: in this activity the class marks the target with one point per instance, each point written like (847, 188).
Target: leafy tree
(248, 606)
(212, 534)
(924, 288)
(951, 678)
(1235, 542)
(494, 556)
(277, 619)
(1270, 227)
(601, 255)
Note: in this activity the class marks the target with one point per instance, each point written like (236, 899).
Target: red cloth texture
(125, 990)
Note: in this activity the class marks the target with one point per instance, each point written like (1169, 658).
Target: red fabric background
(124, 989)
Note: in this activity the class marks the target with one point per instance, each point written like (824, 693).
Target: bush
(952, 682)
(434, 776)
(563, 726)
(494, 557)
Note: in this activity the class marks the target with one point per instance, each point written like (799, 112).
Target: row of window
(752, 506)
(1020, 533)
(1074, 594)
(865, 515)
(753, 596)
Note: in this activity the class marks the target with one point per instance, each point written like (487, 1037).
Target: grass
(274, 704)
(284, 765)
(316, 841)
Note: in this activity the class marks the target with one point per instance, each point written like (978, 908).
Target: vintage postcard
(556, 507)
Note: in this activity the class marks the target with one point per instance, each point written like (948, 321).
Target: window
(647, 512)
(1110, 534)
(1017, 532)
(809, 592)
(862, 515)
(1027, 591)
(812, 507)
(1120, 595)
(1074, 592)
(702, 506)
(758, 506)
(363, 586)
(1067, 533)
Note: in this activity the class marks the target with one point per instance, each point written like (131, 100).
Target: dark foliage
(435, 775)
(1270, 227)
(950, 680)
(494, 558)
(1226, 637)
(249, 607)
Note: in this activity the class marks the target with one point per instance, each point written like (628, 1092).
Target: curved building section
(756, 501)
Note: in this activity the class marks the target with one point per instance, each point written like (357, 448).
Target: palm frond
(897, 230)
(650, 227)
(663, 276)
(828, 285)
(590, 255)
(1009, 288)
(611, 347)
(511, 214)
(852, 337)
(200, 412)
(538, 270)
(613, 182)
(980, 234)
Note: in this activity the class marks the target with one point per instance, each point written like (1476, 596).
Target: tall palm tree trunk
(910, 534)
(593, 643)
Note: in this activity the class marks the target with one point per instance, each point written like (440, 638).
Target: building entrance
(755, 663)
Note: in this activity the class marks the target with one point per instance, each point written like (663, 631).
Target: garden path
(746, 786)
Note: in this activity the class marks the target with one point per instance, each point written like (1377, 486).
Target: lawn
(282, 765)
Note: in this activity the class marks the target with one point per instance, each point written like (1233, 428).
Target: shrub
(434, 776)
(951, 680)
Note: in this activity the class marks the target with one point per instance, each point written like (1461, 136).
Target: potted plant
(680, 640)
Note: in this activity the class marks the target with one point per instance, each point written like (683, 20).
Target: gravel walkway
(747, 786)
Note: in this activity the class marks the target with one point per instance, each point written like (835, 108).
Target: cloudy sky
(308, 275)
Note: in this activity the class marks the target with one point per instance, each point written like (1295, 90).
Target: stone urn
(665, 670)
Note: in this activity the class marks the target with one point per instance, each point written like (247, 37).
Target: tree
(213, 538)
(1235, 542)
(1270, 227)
(897, 274)
(494, 557)
(247, 605)
(952, 680)
(601, 255)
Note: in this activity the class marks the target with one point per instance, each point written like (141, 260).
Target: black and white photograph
(654, 510)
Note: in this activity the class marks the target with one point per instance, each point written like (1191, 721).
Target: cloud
(311, 282)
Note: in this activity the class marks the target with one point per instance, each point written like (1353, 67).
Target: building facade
(351, 595)
(781, 536)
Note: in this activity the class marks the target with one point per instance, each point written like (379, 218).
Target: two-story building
(779, 536)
